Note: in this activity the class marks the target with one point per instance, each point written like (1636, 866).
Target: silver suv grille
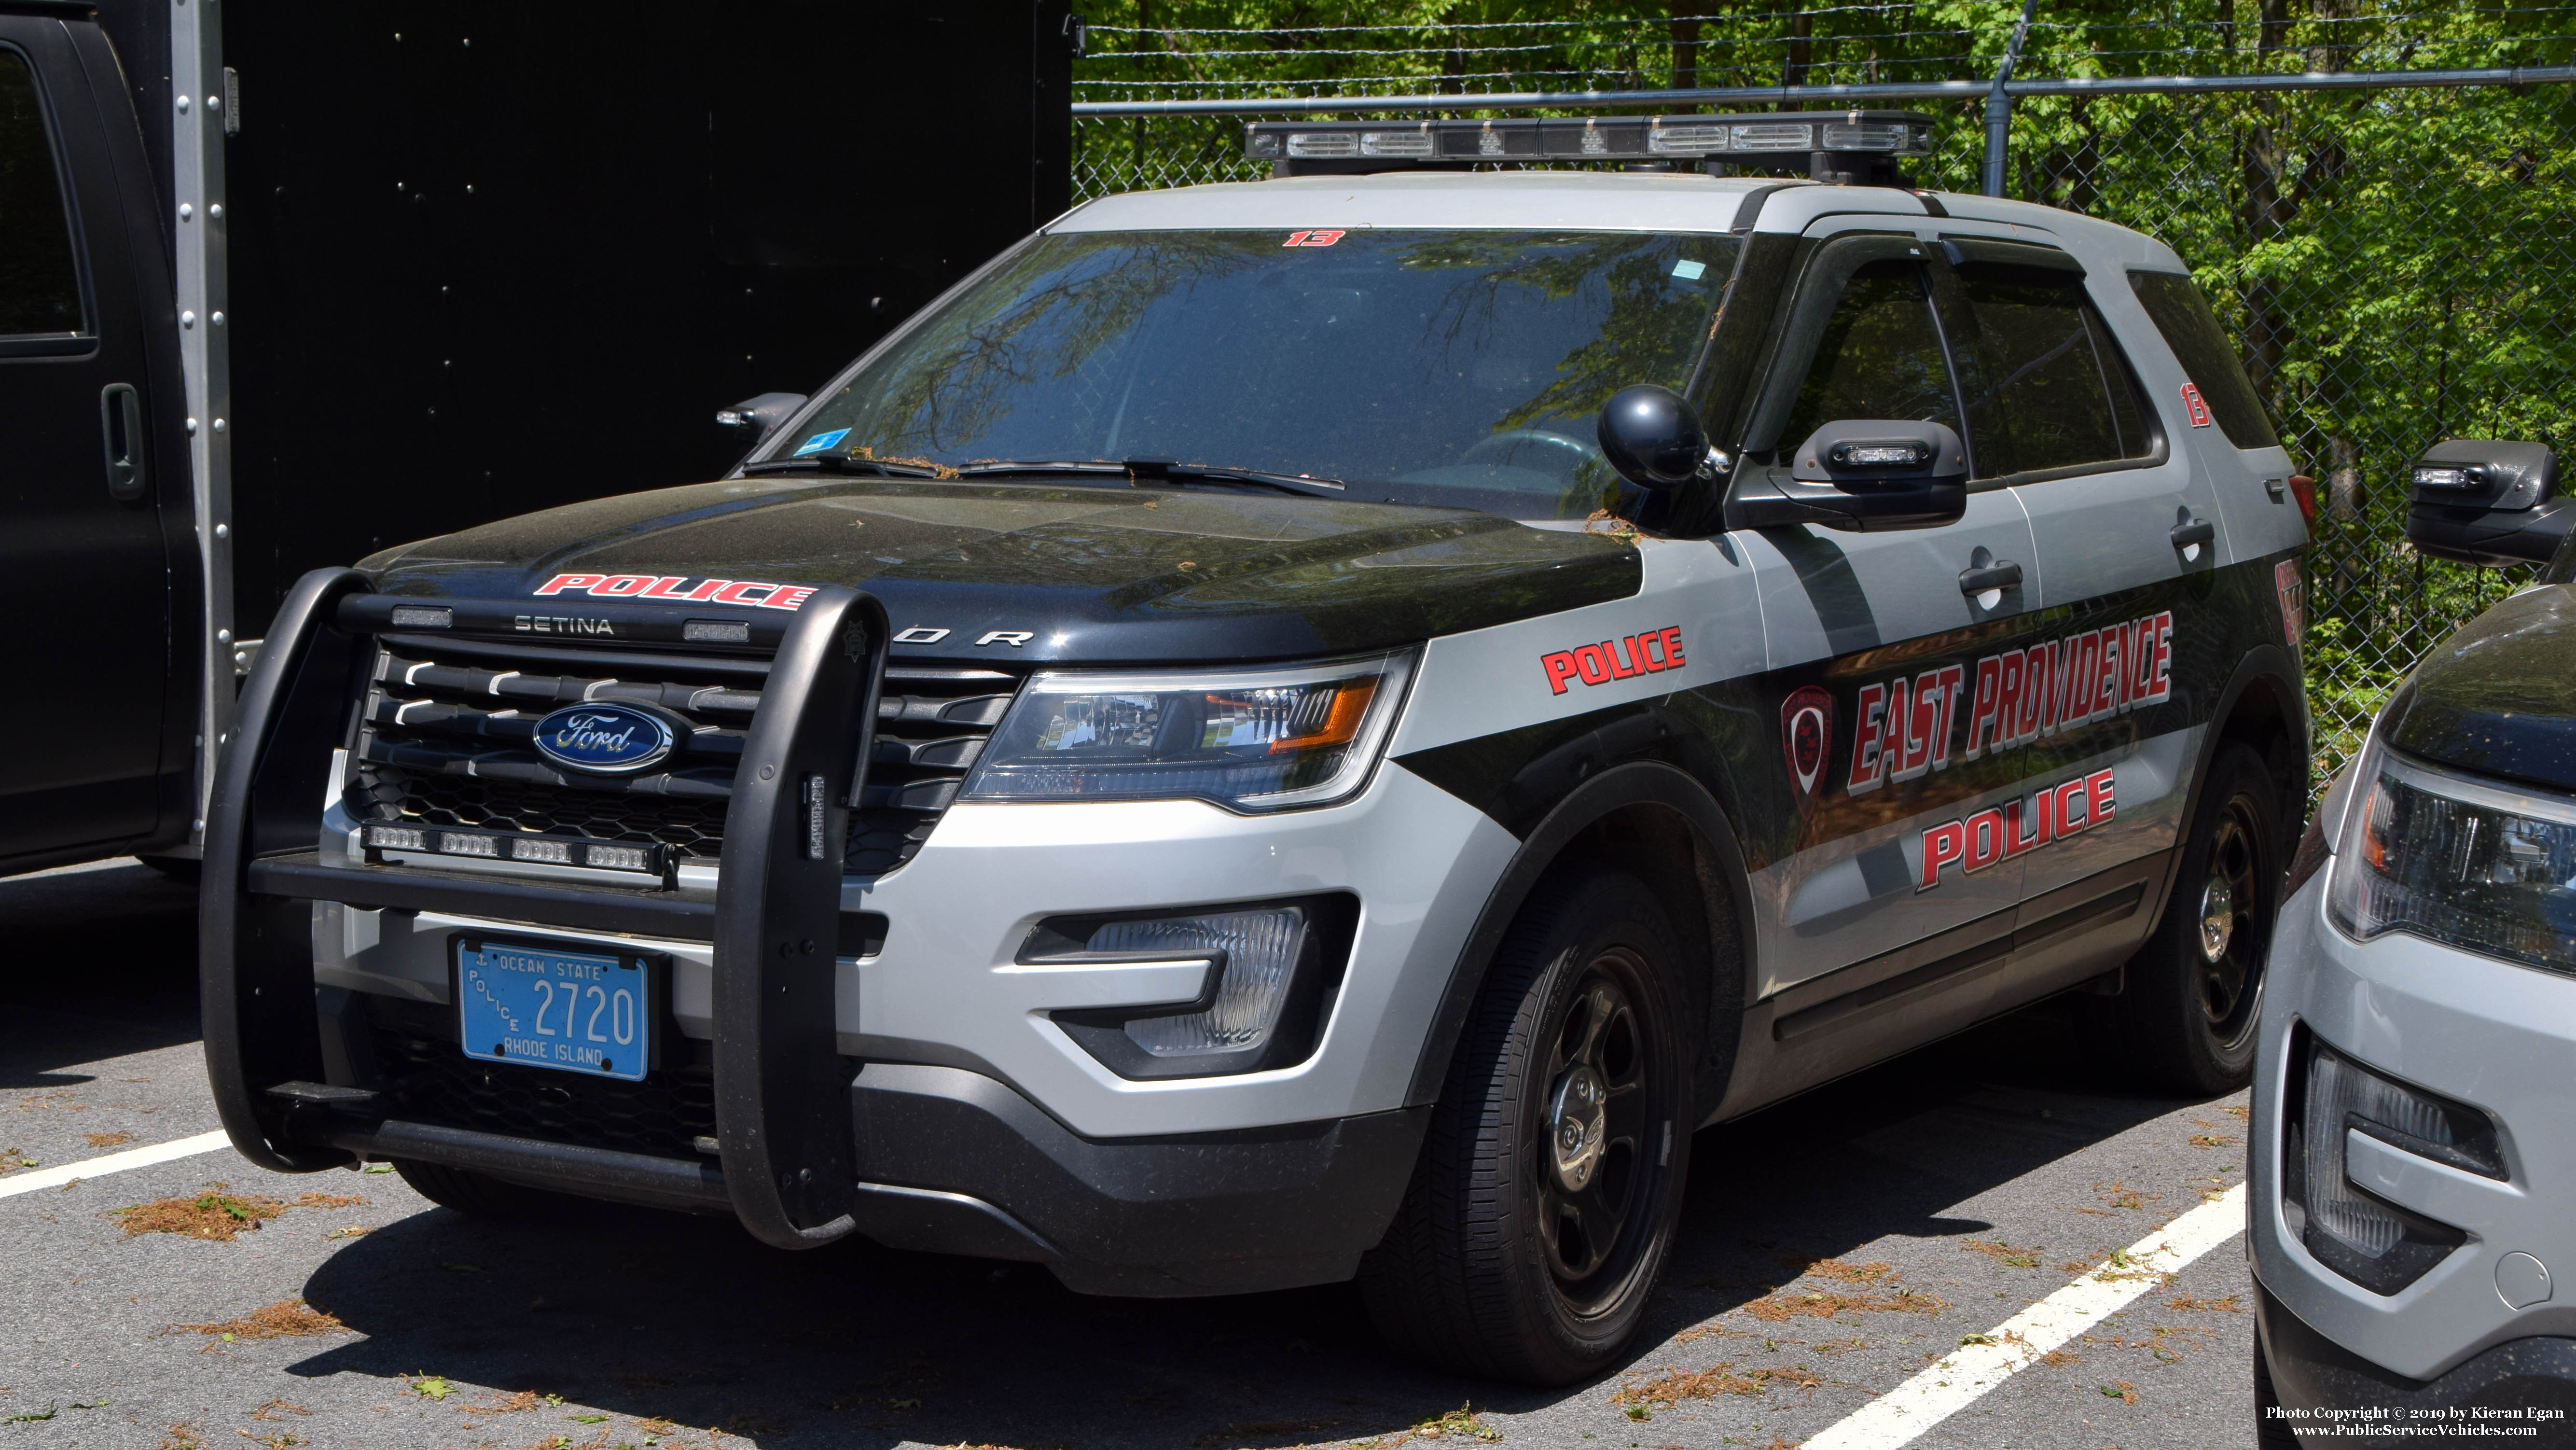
(445, 738)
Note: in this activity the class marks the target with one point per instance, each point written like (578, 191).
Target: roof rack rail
(1858, 148)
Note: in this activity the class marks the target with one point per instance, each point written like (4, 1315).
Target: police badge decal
(1806, 737)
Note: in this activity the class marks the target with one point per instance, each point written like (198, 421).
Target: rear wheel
(478, 1194)
(2194, 996)
(1545, 1197)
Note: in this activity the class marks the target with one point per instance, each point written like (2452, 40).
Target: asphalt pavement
(1833, 1247)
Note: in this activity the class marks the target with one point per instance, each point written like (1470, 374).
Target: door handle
(2000, 575)
(120, 423)
(2193, 531)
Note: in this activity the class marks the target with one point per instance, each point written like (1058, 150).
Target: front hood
(1082, 573)
(2499, 697)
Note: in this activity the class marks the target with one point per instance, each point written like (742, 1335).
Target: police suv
(1307, 729)
(2411, 1166)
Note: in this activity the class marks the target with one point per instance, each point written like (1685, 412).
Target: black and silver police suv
(1307, 729)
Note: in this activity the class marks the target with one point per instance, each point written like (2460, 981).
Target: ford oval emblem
(612, 739)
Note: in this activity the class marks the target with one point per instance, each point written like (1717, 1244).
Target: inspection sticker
(821, 441)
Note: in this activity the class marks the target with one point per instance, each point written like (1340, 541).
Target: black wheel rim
(2231, 926)
(1600, 1149)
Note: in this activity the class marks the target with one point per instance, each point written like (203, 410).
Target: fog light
(1260, 953)
(1276, 970)
(2375, 1244)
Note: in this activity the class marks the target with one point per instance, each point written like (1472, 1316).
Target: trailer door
(84, 585)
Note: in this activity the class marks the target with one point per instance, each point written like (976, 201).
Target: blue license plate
(582, 1012)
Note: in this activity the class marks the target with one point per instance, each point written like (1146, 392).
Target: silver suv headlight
(2457, 861)
(1253, 739)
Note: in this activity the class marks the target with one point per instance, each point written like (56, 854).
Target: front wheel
(1546, 1194)
(2193, 1002)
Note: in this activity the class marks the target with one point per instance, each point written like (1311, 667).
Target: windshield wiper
(1164, 470)
(841, 463)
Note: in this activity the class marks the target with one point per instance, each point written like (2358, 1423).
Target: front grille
(425, 1081)
(445, 739)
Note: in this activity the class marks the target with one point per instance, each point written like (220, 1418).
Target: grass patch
(217, 1216)
(285, 1319)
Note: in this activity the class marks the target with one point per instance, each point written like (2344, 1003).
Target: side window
(2201, 345)
(39, 282)
(2048, 387)
(1880, 357)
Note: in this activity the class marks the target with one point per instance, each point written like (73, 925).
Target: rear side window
(1880, 357)
(39, 285)
(2046, 386)
(2208, 358)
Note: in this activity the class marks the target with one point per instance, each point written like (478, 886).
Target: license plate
(585, 1012)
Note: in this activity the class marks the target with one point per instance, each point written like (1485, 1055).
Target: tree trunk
(1685, 32)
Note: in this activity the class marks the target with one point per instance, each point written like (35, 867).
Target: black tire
(1502, 1263)
(2271, 1432)
(479, 1195)
(2192, 1004)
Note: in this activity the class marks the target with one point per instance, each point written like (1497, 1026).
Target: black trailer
(282, 284)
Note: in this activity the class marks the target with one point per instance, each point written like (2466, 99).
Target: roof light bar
(1870, 139)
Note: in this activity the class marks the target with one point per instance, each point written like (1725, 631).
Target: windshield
(1422, 366)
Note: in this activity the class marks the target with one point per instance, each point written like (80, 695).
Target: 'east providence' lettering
(1902, 728)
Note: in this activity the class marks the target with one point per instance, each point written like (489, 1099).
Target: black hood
(2499, 697)
(1086, 573)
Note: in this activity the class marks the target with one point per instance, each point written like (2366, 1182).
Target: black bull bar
(782, 1099)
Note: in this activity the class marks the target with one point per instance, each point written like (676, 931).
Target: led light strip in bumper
(640, 859)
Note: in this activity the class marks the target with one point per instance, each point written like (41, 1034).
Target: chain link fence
(2399, 263)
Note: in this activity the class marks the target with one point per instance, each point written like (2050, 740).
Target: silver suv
(2411, 1174)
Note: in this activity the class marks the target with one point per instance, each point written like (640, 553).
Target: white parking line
(1956, 1381)
(107, 1163)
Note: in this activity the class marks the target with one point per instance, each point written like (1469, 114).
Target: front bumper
(976, 1125)
(2498, 1391)
(2485, 1033)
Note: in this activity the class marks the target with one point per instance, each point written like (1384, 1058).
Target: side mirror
(1880, 473)
(2487, 503)
(761, 416)
(1653, 438)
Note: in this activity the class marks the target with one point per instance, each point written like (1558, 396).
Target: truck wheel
(2194, 997)
(1545, 1196)
(478, 1195)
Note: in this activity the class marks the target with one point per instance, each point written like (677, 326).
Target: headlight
(2458, 861)
(1247, 739)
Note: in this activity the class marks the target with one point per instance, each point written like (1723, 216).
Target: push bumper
(780, 1100)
